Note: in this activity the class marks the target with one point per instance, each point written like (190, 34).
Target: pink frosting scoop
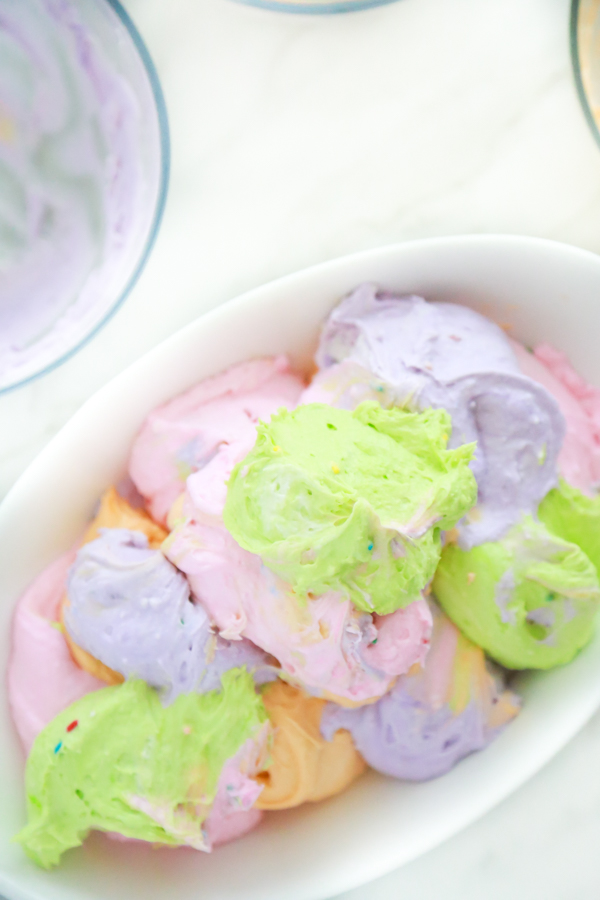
(579, 402)
(326, 645)
(206, 431)
(233, 813)
(43, 678)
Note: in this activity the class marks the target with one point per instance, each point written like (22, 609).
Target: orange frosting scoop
(304, 765)
(115, 512)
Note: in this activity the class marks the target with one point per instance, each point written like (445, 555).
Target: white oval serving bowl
(546, 292)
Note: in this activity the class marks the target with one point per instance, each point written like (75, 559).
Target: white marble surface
(299, 139)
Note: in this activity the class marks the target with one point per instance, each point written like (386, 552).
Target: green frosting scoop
(571, 515)
(529, 600)
(118, 760)
(351, 501)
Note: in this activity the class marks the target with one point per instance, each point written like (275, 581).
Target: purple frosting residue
(519, 430)
(426, 722)
(79, 170)
(448, 356)
(131, 609)
(404, 737)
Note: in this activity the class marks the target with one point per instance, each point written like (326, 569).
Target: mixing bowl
(84, 159)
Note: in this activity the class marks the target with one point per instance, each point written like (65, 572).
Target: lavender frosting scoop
(432, 718)
(130, 608)
(445, 355)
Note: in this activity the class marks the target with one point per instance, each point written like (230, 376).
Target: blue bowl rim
(165, 167)
(316, 8)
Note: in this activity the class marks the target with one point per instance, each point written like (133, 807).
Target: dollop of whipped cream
(305, 767)
(352, 502)
(530, 600)
(107, 763)
(43, 678)
(130, 608)
(325, 644)
(199, 436)
(433, 716)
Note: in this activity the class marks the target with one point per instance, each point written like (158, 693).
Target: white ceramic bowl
(548, 292)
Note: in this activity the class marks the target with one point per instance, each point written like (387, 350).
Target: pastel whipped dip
(304, 766)
(39, 644)
(130, 608)
(79, 175)
(327, 645)
(265, 601)
(530, 600)
(113, 511)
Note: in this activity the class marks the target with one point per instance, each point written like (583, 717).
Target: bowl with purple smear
(84, 162)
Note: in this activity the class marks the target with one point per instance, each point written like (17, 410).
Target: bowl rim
(163, 184)
(316, 7)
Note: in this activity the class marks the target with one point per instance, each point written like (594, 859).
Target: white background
(297, 139)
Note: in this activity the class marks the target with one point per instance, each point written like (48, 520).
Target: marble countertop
(298, 139)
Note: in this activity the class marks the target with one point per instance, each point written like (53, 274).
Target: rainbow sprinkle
(58, 746)
(72, 725)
